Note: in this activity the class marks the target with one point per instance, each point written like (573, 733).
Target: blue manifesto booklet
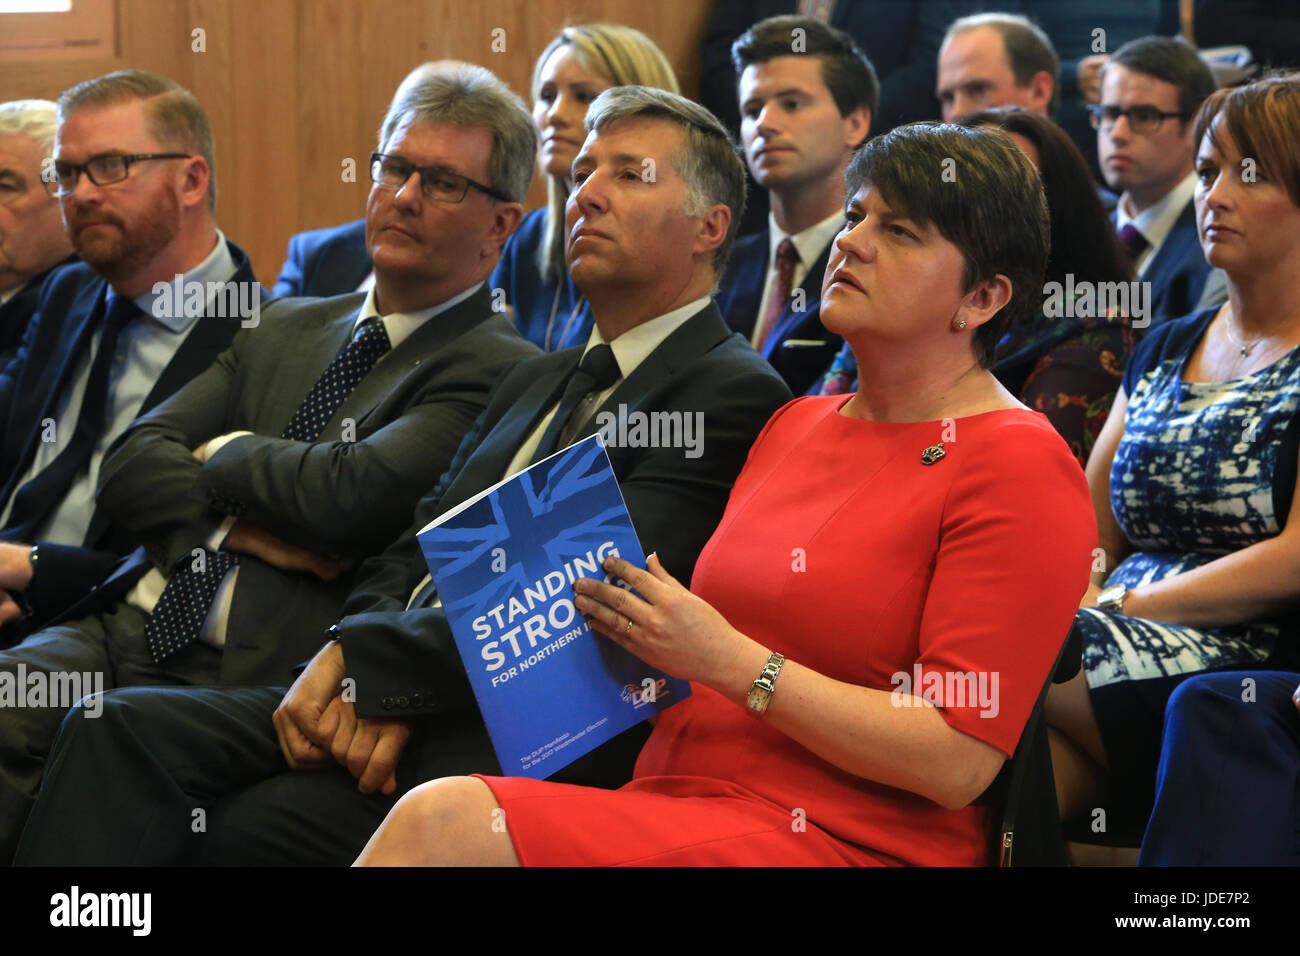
(549, 688)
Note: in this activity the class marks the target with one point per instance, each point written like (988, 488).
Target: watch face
(757, 699)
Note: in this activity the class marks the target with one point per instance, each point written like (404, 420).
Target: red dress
(843, 551)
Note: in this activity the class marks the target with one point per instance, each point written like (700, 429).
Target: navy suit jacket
(325, 262)
(741, 293)
(30, 387)
(18, 311)
(1178, 271)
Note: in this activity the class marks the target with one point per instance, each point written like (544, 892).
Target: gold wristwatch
(760, 695)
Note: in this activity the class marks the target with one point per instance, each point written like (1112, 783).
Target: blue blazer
(532, 298)
(18, 311)
(58, 336)
(1178, 271)
(325, 262)
(741, 293)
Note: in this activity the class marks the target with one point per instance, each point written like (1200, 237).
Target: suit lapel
(790, 321)
(742, 290)
(1161, 267)
(431, 336)
(696, 336)
(210, 336)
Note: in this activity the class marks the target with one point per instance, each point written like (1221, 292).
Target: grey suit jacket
(346, 494)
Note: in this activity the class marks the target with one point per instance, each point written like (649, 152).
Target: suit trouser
(105, 651)
(1228, 785)
(198, 778)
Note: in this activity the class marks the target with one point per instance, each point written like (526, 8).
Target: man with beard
(134, 174)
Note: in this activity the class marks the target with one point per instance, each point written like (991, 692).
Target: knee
(433, 823)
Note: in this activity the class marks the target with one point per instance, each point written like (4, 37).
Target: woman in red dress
(873, 619)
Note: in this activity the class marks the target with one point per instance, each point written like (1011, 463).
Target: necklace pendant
(932, 454)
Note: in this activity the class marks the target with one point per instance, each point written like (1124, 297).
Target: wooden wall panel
(295, 87)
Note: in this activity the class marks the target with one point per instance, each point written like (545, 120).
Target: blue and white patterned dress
(1192, 481)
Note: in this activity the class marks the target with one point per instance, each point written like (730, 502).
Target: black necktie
(185, 602)
(37, 500)
(597, 371)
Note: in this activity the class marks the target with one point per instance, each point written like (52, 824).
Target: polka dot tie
(343, 375)
(183, 606)
(185, 601)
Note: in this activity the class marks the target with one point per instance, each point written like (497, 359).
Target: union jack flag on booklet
(504, 562)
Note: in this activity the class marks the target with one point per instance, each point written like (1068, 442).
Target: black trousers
(177, 776)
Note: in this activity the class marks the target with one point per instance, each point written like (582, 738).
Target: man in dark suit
(389, 686)
(32, 238)
(134, 176)
(312, 437)
(322, 262)
(1151, 90)
(802, 116)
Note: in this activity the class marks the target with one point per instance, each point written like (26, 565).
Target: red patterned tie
(787, 257)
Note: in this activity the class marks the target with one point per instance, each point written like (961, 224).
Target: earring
(961, 324)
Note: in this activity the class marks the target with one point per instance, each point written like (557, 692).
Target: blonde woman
(578, 65)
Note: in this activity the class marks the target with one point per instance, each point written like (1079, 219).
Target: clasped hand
(316, 726)
(671, 628)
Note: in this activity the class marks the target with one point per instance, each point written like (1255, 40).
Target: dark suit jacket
(325, 262)
(1178, 270)
(18, 311)
(30, 387)
(405, 663)
(741, 293)
(349, 493)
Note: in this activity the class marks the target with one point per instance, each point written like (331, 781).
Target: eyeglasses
(438, 182)
(103, 170)
(1141, 119)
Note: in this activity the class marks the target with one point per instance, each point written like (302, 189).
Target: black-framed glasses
(102, 170)
(1141, 119)
(438, 182)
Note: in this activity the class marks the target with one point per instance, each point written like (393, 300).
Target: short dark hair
(1029, 50)
(1173, 60)
(992, 208)
(1083, 240)
(846, 71)
(1263, 119)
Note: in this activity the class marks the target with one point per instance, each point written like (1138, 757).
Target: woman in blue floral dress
(1194, 475)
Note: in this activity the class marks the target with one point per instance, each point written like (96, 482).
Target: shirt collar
(632, 347)
(218, 268)
(809, 243)
(399, 325)
(1158, 219)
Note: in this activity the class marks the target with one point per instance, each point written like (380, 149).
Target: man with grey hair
(32, 239)
(113, 335)
(334, 260)
(996, 59)
(303, 449)
(658, 190)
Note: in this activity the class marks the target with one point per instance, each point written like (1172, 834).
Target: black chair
(1029, 827)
